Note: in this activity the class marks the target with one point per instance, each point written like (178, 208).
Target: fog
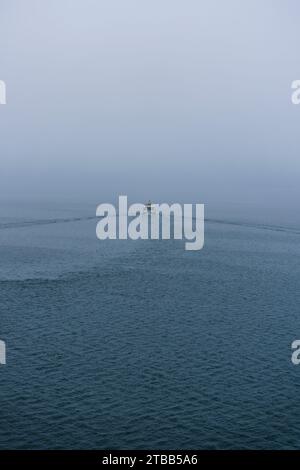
(161, 99)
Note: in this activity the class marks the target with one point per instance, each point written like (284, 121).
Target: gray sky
(167, 99)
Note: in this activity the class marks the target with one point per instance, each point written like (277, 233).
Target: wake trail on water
(39, 222)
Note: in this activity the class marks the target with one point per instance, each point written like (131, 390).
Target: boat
(149, 208)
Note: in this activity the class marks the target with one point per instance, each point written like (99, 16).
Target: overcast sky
(162, 99)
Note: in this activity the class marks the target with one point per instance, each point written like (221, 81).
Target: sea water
(143, 345)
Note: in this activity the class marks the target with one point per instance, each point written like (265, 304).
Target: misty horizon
(158, 100)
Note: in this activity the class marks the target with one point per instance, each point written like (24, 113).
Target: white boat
(149, 208)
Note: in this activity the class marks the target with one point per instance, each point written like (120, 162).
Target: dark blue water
(144, 345)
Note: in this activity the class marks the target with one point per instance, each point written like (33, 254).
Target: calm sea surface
(129, 345)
